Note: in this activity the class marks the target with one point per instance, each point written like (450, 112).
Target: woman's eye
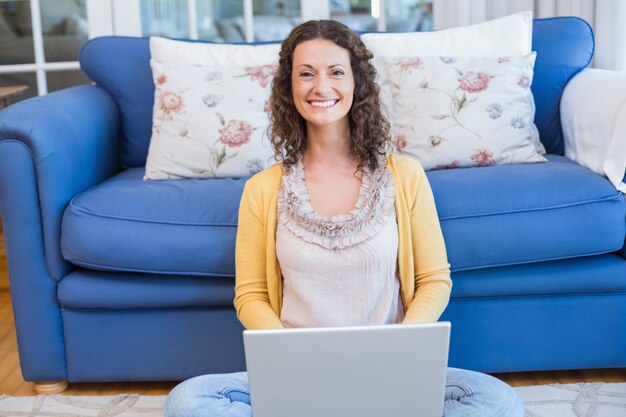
(306, 74)
(338, 73)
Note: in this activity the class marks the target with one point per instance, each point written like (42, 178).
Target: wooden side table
(7, 92)
(4, 274)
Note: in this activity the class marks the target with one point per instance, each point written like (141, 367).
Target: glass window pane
(64, 28)
(274, 19)
(356, 14)
(16, 34)
(165, 18)
(28, 79)
(409, 15)
(58, 80)
(221, 21)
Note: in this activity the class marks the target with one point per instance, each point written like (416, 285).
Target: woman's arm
(251, 295)
(430, 261)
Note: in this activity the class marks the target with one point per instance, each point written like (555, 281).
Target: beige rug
(125, 405)
(575, 400)
(558, 400)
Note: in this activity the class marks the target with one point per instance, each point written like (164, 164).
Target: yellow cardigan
(424, 269)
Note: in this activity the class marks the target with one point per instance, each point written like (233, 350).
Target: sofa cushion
(461, 112)
(601, 274)
(209, 122)
(84, 289)
(514, 214)
(490, 216)
(170, 227)
(210, 114)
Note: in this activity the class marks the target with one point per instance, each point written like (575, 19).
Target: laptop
(368, 371)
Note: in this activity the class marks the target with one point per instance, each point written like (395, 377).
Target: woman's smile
(323, 103)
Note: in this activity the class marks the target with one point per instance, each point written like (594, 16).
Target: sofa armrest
(51, 148)
(72, 136)
(593, 116)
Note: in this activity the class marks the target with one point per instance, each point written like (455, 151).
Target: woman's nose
(322, 86)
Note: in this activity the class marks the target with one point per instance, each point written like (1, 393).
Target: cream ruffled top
(338, 270)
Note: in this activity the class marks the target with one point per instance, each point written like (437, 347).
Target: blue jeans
(468, 394)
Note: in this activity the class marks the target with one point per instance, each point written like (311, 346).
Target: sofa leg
(50, 387)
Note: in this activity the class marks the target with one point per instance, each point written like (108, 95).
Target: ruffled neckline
(370, 214)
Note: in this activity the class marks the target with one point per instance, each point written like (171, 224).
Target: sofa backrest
(564, 46)
(121, 65)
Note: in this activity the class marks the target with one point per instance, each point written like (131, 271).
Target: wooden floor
(11, 382)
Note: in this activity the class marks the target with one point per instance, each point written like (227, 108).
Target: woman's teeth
(323, 103)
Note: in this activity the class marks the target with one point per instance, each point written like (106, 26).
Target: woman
(338, 233)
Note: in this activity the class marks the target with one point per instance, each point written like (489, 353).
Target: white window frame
(40, 67)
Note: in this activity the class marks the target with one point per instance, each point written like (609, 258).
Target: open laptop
(370, 371)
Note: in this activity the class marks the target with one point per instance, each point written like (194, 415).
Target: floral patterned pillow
(461, 112)
(209, 122)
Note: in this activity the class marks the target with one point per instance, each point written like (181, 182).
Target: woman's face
(322, 82)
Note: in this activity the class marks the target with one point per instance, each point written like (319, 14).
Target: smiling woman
(338, 233)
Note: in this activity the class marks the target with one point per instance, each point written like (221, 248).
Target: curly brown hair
(369, 128)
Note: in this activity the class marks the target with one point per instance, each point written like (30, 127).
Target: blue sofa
(115, 279)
